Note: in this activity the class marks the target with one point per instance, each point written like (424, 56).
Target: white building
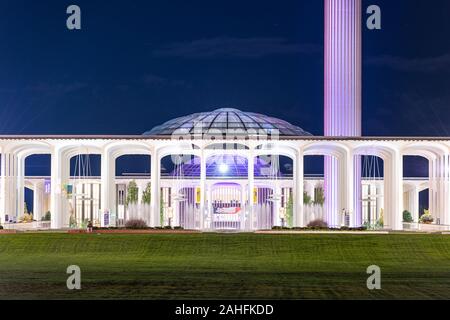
(234, 181)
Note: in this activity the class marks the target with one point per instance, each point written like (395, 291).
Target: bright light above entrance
(223, 168)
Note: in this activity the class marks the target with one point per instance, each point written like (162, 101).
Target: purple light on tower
(342, 101)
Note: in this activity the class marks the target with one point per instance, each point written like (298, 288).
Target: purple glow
(342, 100)
(226, 165)
(47, 187)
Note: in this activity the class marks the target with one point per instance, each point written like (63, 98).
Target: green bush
(47, 216)
(307, 200)
(407, 217)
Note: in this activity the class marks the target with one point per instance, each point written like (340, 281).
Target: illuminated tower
(342, 99)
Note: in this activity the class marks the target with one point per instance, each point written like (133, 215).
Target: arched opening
(83, 190)
(371, 200)
(382, 186)
(35, 206)
(180, 191)
(313, 188)
(274, 191)
(132, 188)
(416, 189)
(226, 192)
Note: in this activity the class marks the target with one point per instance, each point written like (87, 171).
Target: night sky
(137, 64)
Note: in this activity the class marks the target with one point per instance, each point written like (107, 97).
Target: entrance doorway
(227, 212)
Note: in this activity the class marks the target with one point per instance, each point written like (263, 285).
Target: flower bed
(133, 231)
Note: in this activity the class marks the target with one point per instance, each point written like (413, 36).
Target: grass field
(224, 266)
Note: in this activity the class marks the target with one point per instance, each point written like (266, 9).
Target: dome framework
(226, 120)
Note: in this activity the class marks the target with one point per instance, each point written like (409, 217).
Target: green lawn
(224, 266)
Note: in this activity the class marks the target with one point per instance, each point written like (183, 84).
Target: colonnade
(14, 151)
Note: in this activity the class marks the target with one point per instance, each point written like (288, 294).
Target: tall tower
(342, 98)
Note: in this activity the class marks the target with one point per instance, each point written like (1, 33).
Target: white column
(432, 190)
(380, 200)
(108, 187)
(277, 205)
(439, 192)
(393, 168)
(441, 203)
(342, 92)
(414, 203)
(4, 184)
(351, 190)
(38, 200)
(298, 173)
(13, 185)
(20, 185)
(445, 190)
(202, 189)
(251, 186)
(59, 176)
(155, 190)
(243, 205)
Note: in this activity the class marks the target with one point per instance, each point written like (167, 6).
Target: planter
(6, 231)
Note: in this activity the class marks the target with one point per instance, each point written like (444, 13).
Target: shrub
(407, 217)
(318, 224)
(26, 218)
(427, 217)
(135, 224)
(1, 227)
(47, 216)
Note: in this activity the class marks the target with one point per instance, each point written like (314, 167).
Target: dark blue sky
(136, 64)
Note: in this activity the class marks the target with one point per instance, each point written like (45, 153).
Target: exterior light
(223, 168)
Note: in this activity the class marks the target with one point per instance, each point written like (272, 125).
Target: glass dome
(227, 119)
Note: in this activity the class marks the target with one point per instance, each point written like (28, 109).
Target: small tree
(320, 197)
(25, 208)
(290, 212)
(47, 216)
(306, 198)
(132, 193)
(380, 221)
(161, 211)
(407, 217)
(147, 194)
(72, 221)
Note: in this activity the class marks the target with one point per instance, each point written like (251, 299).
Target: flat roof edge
(161, 137)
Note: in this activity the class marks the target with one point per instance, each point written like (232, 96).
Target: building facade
(208, 198)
